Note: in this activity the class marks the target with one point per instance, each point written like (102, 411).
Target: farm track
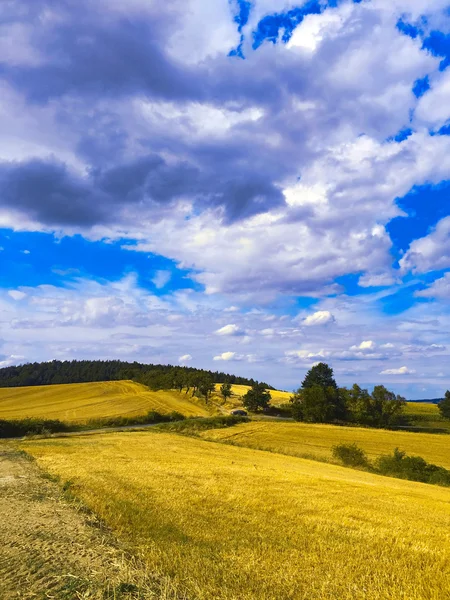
(50, 548)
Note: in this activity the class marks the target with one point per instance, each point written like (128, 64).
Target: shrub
(152, 417)
(414, 468)
(351, 455)
(21, 427)
(201, 424)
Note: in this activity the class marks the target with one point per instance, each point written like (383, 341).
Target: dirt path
(50, 548)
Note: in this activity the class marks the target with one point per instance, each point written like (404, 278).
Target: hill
(226, 522)
(311, 440)
(79, 402)
(84, 371)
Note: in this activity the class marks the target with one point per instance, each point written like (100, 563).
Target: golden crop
(316, 440)
(233, 523)
(235, 401)
(79, 402)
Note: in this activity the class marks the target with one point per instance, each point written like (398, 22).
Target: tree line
(84, 371)
(320, 400)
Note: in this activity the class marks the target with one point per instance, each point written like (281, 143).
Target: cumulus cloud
(138, 158)
(321, 317)
(228, 356)
(231, 329)
(400, 371)
(268, 178)
(365, 345)
(185, 358)
(431, 252)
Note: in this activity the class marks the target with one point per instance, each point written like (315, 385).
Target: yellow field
(424, 414)
(231, 523)
(316, 440)
(235, 401)
(79, 402)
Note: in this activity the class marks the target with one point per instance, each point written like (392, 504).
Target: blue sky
(244, 185)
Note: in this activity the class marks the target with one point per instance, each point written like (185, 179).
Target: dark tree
(444, 406)
(257, 398)
(322, 375)
(206, 386)
(319, 400)
(381, 408)
(225, 390)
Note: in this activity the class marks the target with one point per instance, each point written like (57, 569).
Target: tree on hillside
(319, 400)
(206, 386)
(320, 374)
(381, 408)
(444, 405)
(225, 390)
(257, 398)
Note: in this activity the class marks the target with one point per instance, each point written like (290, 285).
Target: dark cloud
(95, 65)
(48, 193)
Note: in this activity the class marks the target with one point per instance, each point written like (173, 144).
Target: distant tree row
(320, 400)
(83, 371)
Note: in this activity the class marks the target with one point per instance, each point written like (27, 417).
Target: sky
(250, 186)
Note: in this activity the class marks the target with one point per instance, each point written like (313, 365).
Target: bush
(21, 427)
(351, 455)
(201, 424)
(152, 417)
(414, 468)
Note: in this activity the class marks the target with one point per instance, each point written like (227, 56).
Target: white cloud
(400, 371)
(365, 345)
(321, 317)
(17, 294)
(433, 108)
(231, 329)
(228, 356)
(185, 358)
(231, 309)
(440, 288)
(161, 279)
(431, 252)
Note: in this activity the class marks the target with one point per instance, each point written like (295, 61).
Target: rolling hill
(79, 402)
(313, 440)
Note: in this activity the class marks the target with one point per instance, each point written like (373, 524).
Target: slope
(316, 440)
(79, 402)
(231, 523)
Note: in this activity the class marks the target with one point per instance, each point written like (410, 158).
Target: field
(424, 414)
(235, 401)
(79, 402)
(315, 441)
(229, 523)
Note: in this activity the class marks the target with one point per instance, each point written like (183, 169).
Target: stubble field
(79, 402)
(236, 523)
(309, 440)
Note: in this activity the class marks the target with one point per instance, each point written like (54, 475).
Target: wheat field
(237, 390)
(79, 402)
(316, 440)
(229, 523)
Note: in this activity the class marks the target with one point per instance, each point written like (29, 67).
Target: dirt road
(50, 548)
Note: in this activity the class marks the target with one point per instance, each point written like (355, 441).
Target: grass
(81, 402)
(229, 523)
(317, 440)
